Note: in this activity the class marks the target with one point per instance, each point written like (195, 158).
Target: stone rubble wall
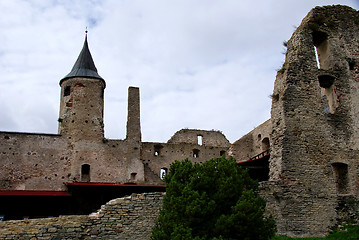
(129, 218)
(315, 133)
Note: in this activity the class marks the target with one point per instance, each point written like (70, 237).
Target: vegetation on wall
(213, 200)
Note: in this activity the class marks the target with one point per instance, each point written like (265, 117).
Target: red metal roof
(34, 193)
(109, 184)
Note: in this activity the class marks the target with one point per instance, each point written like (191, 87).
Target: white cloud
(204, 64)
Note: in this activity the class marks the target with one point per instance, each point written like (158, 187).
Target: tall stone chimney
(135, 168)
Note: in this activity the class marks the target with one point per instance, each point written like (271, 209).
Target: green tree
(213, 200)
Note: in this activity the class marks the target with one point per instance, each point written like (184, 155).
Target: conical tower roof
(84, 65)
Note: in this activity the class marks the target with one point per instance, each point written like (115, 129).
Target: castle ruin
(305, 156)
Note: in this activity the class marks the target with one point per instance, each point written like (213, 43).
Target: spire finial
(86, 31)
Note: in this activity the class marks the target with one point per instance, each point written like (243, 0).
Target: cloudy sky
(199, 64)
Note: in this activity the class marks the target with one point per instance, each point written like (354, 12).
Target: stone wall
(161, 155)
(25, 161)
(46, 161)
(124, 218)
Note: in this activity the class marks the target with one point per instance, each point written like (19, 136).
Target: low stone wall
(123, 218)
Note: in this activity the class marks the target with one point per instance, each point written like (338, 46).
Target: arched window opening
(222, 153)
(341, 177)
(67, 91)
(259, 137)
(85, 173)
(195, 153)
(163, 173)
(265, 144)
(133, 176)
(200, 140)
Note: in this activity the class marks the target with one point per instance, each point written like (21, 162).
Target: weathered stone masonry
(314, 151)
(130, 218)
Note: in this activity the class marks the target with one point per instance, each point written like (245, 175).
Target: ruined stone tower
(314, 154)
(81, 113)
(82, 100)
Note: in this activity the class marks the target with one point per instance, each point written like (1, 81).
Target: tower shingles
(84, 65)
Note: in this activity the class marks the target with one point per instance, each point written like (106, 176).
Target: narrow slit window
(67, 91)
(317, 57)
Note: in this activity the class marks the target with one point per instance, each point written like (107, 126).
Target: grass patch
(349, 232)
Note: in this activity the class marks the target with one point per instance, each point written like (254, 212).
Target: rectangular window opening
(200, 140)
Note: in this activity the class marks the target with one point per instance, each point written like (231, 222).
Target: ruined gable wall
(209, 138)
(253, 143)
(184, 144)
(307, 138)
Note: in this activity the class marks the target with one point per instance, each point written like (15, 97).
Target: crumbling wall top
(200, 137)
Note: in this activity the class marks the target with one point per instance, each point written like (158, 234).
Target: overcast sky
(199, 64)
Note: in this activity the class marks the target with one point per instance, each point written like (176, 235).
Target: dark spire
(84, 65)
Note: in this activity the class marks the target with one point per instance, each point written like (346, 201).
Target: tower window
(221, 153)
(85, 173)
(67, 91)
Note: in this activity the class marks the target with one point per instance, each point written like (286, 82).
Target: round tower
(82, 100)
